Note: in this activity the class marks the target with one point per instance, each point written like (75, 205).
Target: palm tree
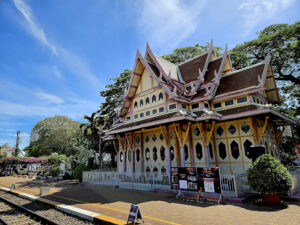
(90, 129)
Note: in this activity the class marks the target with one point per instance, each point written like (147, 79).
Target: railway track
(18, 211)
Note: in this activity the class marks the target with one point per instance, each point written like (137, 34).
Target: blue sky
(56, 56)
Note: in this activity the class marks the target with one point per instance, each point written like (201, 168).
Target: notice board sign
(209, 179)
(134, 214)
(194, 178)
(174, 178)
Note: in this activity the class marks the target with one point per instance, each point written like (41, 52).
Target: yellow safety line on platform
(114, 209)
(105, 207)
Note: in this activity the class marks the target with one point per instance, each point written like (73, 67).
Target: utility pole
(17, 143)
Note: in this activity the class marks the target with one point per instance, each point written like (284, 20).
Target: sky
(56, 56)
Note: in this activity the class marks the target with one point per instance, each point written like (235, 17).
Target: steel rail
(3, 222)
(31, 214)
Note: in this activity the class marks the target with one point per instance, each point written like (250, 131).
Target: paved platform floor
(156, 208)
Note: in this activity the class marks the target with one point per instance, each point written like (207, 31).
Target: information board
(196, 178)
(134, 214)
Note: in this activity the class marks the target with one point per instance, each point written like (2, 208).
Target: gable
(271, 90)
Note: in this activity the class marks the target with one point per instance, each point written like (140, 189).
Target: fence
(295, 172)
(234, 185)
(231, 185)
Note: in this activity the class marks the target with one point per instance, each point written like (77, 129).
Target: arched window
(154, 153)
(137, 139)
(135, 104)
(163, 170)
(154, 137)
(197, 131)
(141, 102)
(153, 98)
(160, 96)
(138, 155)
(129, 155)
(222, 150)
(220, 131)
(161, 137)
(155, 170)
(147, 101)
(121, 156)
(147, 139)
(234, 147)
(162, 153)
(199, 153)
(147, 154)
(245, 127)
(172, 153)
(232, 129)
(148, 169)
(186, 152)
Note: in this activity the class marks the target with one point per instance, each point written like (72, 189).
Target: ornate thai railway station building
(200, 113)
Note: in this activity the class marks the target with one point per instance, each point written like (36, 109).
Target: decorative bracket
(121, 143)
(209, 133)
(130, 143)
(176, 132)
(166, 137)
(115, 146)
(185, 134)
(261, 130)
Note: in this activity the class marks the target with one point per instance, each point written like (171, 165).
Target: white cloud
(33, 27)
(257, 11)
(169, 22)
(74, 108)
(49, 98)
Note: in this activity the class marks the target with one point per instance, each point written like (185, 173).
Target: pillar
(181, 146)
(206, 148)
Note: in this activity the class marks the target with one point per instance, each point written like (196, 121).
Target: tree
(90, 130)
(283, 42)
(113, 95)
(180, 55)
(53, 135)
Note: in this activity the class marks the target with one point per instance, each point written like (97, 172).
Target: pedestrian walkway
(156, 208)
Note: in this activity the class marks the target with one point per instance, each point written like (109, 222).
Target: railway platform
(156, 208)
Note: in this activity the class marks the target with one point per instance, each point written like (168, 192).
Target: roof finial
(211, 42)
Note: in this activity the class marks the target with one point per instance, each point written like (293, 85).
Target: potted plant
(270, 178)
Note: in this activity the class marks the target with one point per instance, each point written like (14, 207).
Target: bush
(55, 171)
(268, 176)
(78, 171)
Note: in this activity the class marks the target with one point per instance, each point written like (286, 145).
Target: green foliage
(180, 55)
(56, 160)
(113, 95)
(287, 151)
(267, 175)
(283, 42)
(78, 171)
(55, 171)
(53, 134)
